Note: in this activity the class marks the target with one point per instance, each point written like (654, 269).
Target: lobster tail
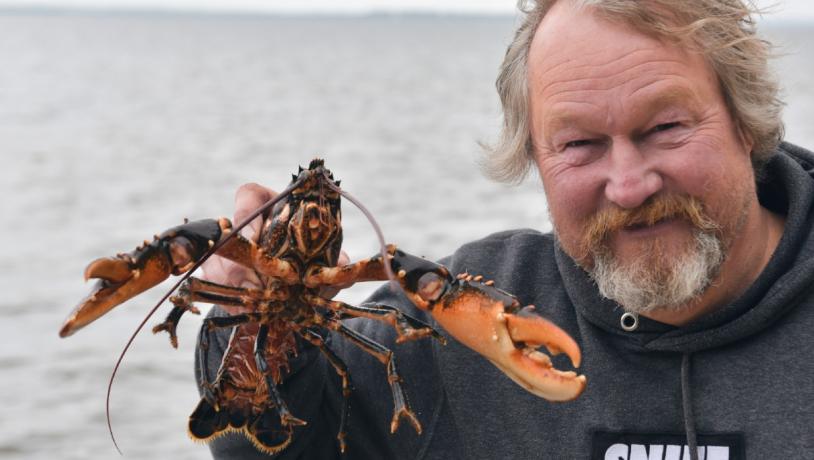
(207, 422)
(264, 429)
(267, 432)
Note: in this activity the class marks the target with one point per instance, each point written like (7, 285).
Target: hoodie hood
(786, 187)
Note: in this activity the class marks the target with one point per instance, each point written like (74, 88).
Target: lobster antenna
(267, 205)
(376, 228)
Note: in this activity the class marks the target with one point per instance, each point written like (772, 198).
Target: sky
(796, 10)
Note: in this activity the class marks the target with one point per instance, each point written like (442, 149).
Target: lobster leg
(232, 320)
(200, 285)
(401, 407)
(170, 324)
(196, 290)
(342, 370)
(370, 269)
(407, 327)
(181, 304)
(286, 417)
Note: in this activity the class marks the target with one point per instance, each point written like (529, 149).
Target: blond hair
(723, 31)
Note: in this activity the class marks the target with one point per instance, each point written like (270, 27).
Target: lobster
(296, 257)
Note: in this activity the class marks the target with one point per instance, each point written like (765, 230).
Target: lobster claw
(492, 323)
(118, 279)
(125, 276)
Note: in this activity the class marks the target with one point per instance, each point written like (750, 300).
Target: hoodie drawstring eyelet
(629, 321)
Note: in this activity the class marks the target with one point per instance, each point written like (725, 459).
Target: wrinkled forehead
(579, 56)
(582, 35)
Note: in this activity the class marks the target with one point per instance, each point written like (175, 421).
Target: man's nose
(631, 178)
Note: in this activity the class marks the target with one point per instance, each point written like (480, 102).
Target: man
(683, 274)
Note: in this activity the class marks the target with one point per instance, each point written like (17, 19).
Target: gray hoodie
(736, 383)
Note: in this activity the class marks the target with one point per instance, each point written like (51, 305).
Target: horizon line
(154, 10)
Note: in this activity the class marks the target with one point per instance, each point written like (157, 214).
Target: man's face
(642, 164)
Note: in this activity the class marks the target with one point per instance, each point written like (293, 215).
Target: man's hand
(216, 269)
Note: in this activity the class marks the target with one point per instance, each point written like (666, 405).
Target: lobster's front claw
(532, 369)
(125, 276)
(491, 322)
(118, 279)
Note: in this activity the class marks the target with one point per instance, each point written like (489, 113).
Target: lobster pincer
(123, 277)
(493, 323)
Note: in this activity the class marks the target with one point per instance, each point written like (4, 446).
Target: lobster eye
(431, 286)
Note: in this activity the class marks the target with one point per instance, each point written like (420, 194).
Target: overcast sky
(785, 9)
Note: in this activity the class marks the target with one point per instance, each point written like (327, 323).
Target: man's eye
(578, 143)
(582, 151)
(664, 127)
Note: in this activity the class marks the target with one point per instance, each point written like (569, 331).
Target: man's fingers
(248, 198)
(223, 271)
(213, 270)
(343, 259)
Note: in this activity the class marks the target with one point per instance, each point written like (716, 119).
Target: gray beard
(647, 284)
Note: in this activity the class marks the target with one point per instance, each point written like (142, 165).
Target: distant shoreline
(175, 12)
(153, 12)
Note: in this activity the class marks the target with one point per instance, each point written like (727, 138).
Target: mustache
(655, 209)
